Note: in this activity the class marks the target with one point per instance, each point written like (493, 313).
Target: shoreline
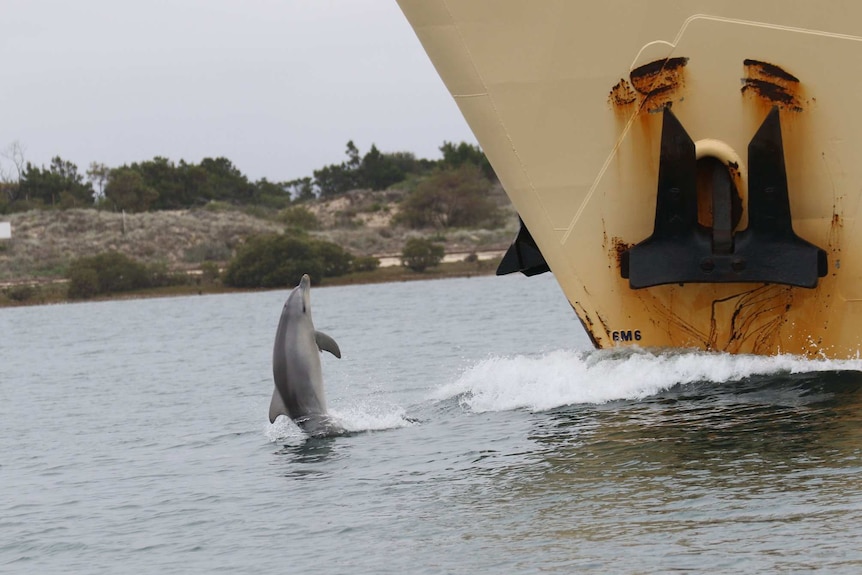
(53, 291)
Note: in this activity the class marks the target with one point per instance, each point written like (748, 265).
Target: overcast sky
(276, 86)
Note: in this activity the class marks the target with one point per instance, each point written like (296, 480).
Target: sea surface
(486, 437)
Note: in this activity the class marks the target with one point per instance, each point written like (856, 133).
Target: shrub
(20, 293)
(218, 206)
(299, 217)
(336, 260)
(210, 272)
(106, 273)
(420, 254)
(83, 282)
(279, 260)
(273, 260)
(365, 264)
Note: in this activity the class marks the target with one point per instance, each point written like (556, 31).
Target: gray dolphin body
(296, 366)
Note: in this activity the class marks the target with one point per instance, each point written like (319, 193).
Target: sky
(276, 86)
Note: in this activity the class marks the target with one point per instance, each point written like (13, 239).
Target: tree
(333, 180)
(14, 152)
(193, 180)
(456, 156)
(378, 171)
(168, 180)
(301, 189)
(10, 183)
(126, 190)
(420, 254)
(450, 198)
(61, 181)
(375, 170)
(225, 182)
(8, 194)
(272, 194)
(98, 176)
(353, 161)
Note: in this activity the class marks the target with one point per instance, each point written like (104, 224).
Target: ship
(689, 172)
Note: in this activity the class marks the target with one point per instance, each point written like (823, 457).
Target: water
(488, 439)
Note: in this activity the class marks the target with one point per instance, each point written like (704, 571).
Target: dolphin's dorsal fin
(276, 406)
(326, 343)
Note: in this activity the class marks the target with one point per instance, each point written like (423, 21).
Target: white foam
(569, 377)
(360, 416)
(371, 416)
(283, 429)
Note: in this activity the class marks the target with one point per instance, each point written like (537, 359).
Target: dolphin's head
(299, 301)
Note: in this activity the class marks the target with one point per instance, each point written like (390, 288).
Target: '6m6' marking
(626, 335)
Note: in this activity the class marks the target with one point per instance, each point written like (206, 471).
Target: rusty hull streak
(622, 94)
(619, 247)
(653, 85)
(586, 322)
(834, 241)
(658, 75)
(772, 92)
(771, 70)
(605, 326)
(770, 307)
(658, 81)
(773, 84)
(757, 313)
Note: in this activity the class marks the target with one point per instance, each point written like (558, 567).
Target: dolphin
(296, 366)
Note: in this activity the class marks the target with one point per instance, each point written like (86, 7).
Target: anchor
(681, 250)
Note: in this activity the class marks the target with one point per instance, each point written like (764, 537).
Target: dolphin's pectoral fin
(326, 343)
(276, 406)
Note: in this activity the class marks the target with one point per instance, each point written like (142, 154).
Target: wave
(559, 378)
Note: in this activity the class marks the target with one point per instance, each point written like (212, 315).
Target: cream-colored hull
(547, 88)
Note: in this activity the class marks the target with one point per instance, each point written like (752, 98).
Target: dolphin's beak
(305, 290)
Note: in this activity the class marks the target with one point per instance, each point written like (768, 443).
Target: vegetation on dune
(279, 260)
(153, 223)
(451, 198)
(419, 254)
(113, 272)
(300, 218)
